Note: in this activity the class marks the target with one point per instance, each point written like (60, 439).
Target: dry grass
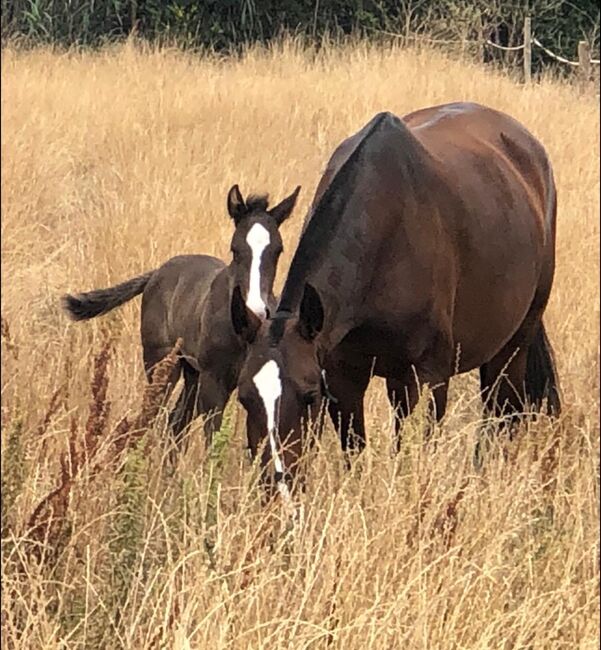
(113, 162)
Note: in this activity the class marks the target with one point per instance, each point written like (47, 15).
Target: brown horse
(429, 251)
(189, 297)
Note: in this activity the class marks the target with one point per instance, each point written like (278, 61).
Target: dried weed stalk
(444, 524)
(46, 521)
(128, 432)
(7, 337)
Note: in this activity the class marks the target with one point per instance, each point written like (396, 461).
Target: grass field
(112, 163)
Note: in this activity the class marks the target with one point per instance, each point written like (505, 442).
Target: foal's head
(256, 246)
(281, 385)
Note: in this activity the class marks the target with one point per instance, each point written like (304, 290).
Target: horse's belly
(486, 320)
(499, 262)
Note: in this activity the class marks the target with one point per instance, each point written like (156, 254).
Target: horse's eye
(309, 399)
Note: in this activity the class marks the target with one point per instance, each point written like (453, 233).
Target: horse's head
(256, 246)
(281, 384)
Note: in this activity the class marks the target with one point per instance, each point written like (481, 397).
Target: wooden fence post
(584, 61)
(133, 16)
(527, 51)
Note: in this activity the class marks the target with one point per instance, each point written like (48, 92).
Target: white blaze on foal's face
(269, 387)
(258, 240)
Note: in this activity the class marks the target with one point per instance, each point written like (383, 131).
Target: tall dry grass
(113, 162)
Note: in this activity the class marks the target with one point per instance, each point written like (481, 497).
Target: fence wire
(547, 51)
(506, 49)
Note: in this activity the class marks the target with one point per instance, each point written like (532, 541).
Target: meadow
(114, 161)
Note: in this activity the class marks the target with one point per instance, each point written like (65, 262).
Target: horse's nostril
(267, 313)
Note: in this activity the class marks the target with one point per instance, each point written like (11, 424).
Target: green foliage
(219, 446)
(225, 25)
(127, 540)
(12, 472)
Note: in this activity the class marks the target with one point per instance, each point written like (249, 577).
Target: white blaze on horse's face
(269, 387)
(258, 240)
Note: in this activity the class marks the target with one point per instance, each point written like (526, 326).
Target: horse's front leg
(403, 395)
(348, 383)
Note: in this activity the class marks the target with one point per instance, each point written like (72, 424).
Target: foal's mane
(256, 203)
(319, 231)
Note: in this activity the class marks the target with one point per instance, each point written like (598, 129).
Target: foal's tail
(84, 306)
(541, 374)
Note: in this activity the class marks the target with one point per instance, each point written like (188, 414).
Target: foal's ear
(235, 204)
(245, 322)
(310, 321)
(282, 210)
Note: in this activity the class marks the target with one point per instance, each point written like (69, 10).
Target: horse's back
(464, 135)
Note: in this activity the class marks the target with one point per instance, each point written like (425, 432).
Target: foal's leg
(153, 355)
(403, 395)
(184, 411)
(211, 399)
(348, 385)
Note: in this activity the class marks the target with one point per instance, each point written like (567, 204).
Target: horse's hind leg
(152, 357)
(185, 409)
(503, 380)
(502, 384)
(182, 413)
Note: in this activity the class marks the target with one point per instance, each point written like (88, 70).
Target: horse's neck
(343, 282)
(347, 279)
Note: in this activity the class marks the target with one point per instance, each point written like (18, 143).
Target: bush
(225, 25)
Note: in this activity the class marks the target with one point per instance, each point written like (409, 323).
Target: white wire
(506, 49)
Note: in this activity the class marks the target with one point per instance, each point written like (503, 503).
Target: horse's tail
(541, 374)
(84, 306)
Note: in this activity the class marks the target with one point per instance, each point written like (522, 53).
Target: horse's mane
(320, 229)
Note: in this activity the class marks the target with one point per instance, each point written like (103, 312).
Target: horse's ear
(235, 204)
(311, 316)
(282, 210)
(244, 321)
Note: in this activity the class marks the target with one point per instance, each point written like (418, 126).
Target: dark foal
(189, 297)
(429, 250)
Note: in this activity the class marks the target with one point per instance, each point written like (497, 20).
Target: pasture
(115, 161)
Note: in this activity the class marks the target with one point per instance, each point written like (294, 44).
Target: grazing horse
(189, 297)
(428, 251)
